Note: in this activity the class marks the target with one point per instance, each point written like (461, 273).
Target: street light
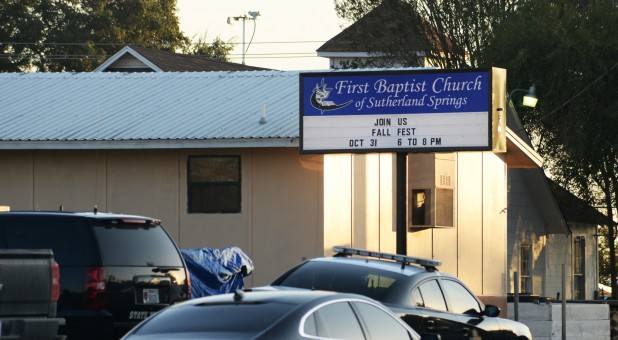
(252, 16)
(530, 98)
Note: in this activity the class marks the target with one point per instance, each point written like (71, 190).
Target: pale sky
(287, 32)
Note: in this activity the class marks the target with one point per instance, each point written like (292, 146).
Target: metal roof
(149, 110)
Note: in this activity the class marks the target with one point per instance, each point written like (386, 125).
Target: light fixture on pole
(530, 98)
(252, 15)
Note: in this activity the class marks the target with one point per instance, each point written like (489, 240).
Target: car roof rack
(429, 264)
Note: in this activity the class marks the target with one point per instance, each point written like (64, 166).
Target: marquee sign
(396, 111)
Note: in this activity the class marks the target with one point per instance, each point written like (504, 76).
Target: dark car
(430, 301)
(277, 314)
(115, 270)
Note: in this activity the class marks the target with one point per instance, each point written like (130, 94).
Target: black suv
(115, 270)
(434, 303)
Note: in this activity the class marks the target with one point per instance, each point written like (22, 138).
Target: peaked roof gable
(365, 29)
(367, 33)
(141, 59)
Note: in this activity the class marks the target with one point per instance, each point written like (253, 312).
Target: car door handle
(431, 324)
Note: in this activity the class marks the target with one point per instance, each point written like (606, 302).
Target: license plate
(150, 295)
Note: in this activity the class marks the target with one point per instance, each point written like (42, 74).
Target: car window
(460, 300)
(136, 245)
(380, 324)
(430, 295)
(334, 321)
(417, 298)
(70, 239)
(366, 281)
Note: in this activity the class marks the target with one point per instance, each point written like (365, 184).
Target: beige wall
(293, 205)
(280, 223)
(473, 249)
(358, 201)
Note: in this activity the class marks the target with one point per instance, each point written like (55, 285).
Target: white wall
(549, 251)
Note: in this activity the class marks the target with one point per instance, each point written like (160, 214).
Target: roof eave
(226, 143)
(519, 154)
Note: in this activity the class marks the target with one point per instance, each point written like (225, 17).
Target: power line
(101, 57)
(578, 94)
(150, 44)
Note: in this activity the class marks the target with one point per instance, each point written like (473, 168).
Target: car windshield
(363, 280)
(136, 245)
(216, 318)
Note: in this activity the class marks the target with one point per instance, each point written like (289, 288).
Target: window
(380, 324)
(335, 321)
(135, 245)
(66, 236)
(525, 269)
(367, 281)
(461, 301)
(579, 268)
(420, 210)
(214, 184)
(429, 295)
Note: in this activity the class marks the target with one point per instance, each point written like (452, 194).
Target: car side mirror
(491, 311)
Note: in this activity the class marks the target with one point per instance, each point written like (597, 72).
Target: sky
(287, 32)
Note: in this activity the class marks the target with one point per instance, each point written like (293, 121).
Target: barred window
(214, 184)
(525, 280)
(579, 268)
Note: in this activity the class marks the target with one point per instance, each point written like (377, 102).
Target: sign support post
(401, 228)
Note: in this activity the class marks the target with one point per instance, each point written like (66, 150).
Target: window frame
(525, 280)
(192, 185)
(579, 267)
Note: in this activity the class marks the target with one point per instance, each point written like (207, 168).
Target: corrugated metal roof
(130, 110)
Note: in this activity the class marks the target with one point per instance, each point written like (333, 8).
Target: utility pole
(252, 15)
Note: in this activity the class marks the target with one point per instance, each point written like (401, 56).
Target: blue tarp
(216, 271)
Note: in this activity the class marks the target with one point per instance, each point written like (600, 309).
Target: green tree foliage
(604, 268)
(569, 49)
(217, 49)
(19, 27)
(76, 35)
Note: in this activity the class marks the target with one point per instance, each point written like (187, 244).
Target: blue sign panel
(379, 111)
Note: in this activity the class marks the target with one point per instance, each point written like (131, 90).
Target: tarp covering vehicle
(216, 271)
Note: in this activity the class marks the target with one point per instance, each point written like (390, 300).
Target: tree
(451, 34)
(76, 35)
(569, 49)
(21, 28)
(217, 49)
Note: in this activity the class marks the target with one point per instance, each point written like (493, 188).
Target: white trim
(127, 49)
(359, 54)
(344, 55)
(153, 144)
